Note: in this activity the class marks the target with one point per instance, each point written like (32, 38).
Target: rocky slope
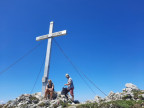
(131, 92)
(130, 97)
(37, 101)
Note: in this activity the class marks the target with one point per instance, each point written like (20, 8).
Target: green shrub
(44, 104)
(55, 106)
(63, 104)
(41, 104)
(88, 105)
(114, 104)
(126, 97)
(137, 93)
(33, 98)
(140, 97)
(24, 106)
(125, 104)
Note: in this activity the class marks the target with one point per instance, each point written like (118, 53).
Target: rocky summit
(37, 101)
(130, 97)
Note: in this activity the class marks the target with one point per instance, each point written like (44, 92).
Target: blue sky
(105, 41)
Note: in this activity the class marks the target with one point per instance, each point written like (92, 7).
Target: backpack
(65, 92)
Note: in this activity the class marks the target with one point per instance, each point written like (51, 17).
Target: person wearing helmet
(70, 86)
(49, 89)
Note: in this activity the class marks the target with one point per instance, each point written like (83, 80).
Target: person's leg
(72, 94)
(51, 94)
(46, 93)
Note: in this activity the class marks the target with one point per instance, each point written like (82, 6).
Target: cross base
(44, 83)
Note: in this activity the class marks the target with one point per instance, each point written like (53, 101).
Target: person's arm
(69, 83)
(52, 86)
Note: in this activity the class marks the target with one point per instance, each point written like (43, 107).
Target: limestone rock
(130, 86)
(142, 95)
(98, 99)
(37, 101)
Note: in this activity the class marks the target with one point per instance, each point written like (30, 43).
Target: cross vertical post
(47, 60)
(48, 53)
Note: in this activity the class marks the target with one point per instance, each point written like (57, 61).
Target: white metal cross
(47, 60)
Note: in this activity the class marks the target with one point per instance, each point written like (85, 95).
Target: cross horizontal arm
(56, 34)
(42, 37)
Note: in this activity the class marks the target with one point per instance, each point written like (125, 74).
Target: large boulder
(131, 87)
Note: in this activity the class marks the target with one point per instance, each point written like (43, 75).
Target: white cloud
(2, 102)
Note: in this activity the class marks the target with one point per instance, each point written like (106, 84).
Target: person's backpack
(64, 92)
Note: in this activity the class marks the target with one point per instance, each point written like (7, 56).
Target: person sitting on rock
(70, 86)
(49, 89)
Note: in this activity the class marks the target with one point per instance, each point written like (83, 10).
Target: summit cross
(48, 53)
